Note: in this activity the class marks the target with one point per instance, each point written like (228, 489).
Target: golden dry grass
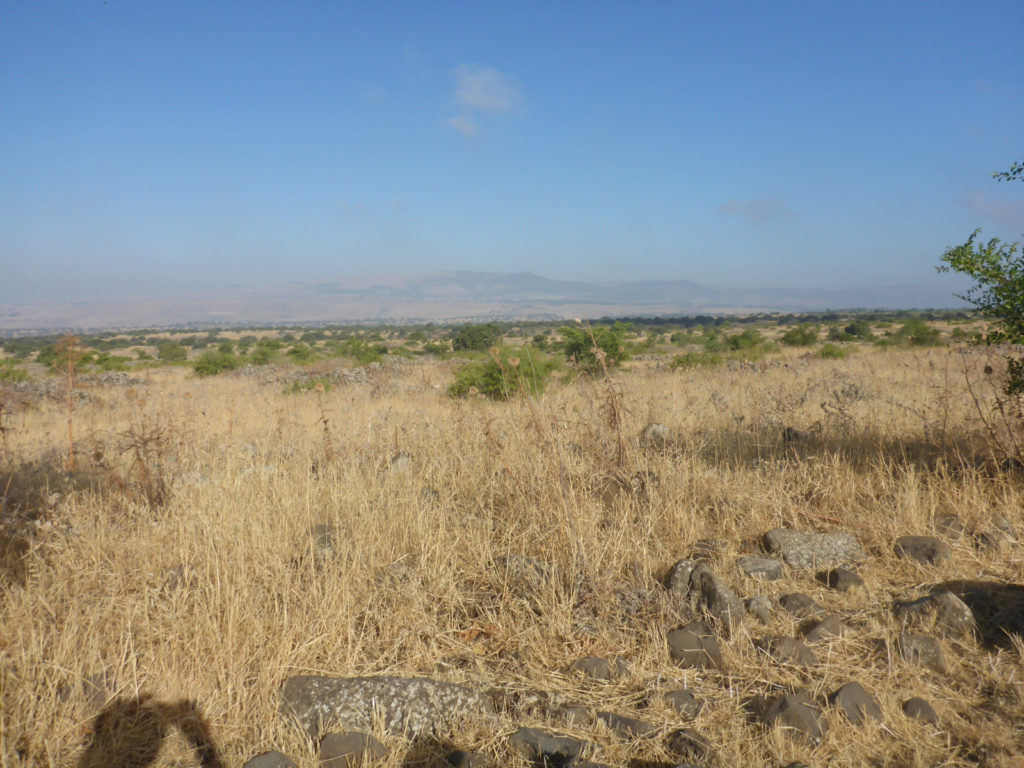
(412, 587)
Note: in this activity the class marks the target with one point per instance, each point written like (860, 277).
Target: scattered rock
(546, 749)
(347, 750)
(924, 650)
(767, 568)
(840, 579)
(677, 581)
(788, 650)
(927, 550)
(272, 759)
(716, 598)
(855, 703)
(943, 611)
(689, 744)
(795, 711)
(685, 703)
(1000, 533)
(460, 758)
(830, 626)
(804, 550)
(949, 526)
(694, 646)
(601, 669)
(706, 550)
(800, 605)
(573, 714)
(414, 705)
(626, 727)
(760, 607)
(919, 709)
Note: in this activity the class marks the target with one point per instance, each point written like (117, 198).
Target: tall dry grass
(213, 591)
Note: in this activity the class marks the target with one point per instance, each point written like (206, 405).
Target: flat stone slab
(414, 705)
(805, 550)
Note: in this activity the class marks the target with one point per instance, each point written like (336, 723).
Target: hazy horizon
(161, 149)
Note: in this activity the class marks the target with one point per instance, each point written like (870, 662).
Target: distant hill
(452, 296)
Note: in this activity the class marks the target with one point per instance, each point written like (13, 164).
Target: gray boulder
(926, 550)
(795, 711)
(695, 646)
(943, 611)
(855, 702)
(805, 550)
(546, 749)
(923, 650)
(273, 759)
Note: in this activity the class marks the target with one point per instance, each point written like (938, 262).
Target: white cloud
(485, 90)
(758, 210)
(463, 125)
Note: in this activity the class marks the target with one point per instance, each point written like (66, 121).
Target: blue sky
(157, 146)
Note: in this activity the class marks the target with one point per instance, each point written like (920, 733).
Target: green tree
(997, 269)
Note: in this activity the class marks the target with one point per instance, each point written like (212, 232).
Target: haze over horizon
(161, 147)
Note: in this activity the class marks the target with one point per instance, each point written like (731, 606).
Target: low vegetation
(452, 517)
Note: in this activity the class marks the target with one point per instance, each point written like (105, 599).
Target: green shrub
(749, 339)
(359, 349)
(436, 348)
(831, 352)
(505, 374)
(9, 371)
(582, 346)
(804, 335)
(301, 354)
(859, 329)
(917, 333)
(689, 360)
(211, 362)
(172, 352)
(476, 338)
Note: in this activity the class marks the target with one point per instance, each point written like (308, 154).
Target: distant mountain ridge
(453, 297)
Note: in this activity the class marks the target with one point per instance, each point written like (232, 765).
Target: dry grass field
(179, 570)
